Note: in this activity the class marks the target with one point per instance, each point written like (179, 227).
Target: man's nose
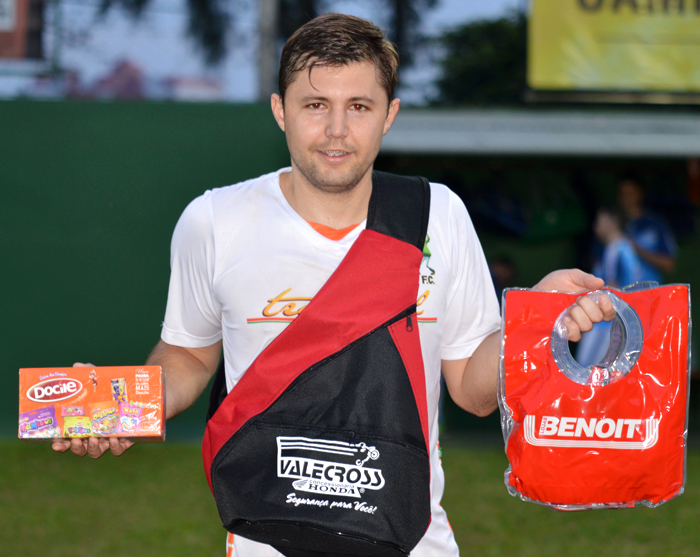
(336, 126)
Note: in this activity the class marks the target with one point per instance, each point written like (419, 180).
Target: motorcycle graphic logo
(328, 467)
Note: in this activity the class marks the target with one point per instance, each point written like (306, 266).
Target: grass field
(153, 501)
(489, 522)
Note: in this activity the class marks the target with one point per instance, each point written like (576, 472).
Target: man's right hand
(94, 447)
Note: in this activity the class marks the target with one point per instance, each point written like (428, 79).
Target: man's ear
(278, 109)
(391, 114)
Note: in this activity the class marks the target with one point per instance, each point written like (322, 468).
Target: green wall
(89, 195)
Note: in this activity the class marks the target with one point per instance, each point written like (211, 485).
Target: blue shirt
(651, 233)
(619, 265)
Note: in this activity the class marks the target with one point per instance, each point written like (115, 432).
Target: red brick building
(21, 26)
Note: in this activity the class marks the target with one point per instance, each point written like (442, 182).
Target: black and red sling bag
(321, 448)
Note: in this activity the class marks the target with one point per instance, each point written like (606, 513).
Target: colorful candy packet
(105, 418)
(77, 426)
(39, 424)
(119, 390)
(129, 419)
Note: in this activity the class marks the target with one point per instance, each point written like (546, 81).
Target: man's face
(630, 196)
(599, 227)
(334, 120)
(604, 227)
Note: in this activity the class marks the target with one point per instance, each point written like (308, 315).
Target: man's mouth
(333, 153)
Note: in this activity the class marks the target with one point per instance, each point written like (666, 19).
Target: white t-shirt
(244, 264)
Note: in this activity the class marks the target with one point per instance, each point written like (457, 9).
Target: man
(650, 235)
(247, 258)
(619, 265)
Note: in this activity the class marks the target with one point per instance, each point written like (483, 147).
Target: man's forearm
(473, 382)
(187, 372)
(480, 381)
(664, 263)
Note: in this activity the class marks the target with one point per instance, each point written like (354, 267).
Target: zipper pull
(409, 324)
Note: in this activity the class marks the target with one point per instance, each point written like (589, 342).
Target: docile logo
(54, 390)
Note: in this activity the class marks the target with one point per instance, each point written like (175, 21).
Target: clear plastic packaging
(82, 402)
(608, 435)
(626, 339)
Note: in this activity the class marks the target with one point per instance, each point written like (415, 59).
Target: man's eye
(359, 107)
(315, 106)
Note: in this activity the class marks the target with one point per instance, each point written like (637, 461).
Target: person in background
(619, 266)
(651, 237)
(503, 273)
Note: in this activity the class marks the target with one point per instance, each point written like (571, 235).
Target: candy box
(92, 401)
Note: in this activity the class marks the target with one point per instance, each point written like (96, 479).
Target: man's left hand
(586, 311)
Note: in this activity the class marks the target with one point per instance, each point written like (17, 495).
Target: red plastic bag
(606, 436)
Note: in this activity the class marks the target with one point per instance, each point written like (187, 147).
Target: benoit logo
(577, 427)
(54, 390)
(621, 433)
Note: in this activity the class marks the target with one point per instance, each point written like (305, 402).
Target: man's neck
(336, 210)
(614, 236)
(634, 212)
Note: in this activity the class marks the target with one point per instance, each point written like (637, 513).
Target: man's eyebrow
(317, 98)
(363, 100)
(313, 98)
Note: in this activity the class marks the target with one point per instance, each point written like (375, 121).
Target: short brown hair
(337, 40)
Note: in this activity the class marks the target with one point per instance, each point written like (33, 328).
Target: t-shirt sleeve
(667, 242)
(193, 315)
(653, 233)
(472, 311)
(628, 267)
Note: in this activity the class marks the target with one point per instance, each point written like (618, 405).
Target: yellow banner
(620, 45)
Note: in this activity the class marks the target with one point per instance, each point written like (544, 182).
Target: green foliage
(484, 62)
(404, 26)
(208, 22)
(294, 13)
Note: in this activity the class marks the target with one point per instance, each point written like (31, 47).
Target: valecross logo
(340, 471)
(54, 390)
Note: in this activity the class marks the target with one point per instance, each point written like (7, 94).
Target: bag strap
(399, 207)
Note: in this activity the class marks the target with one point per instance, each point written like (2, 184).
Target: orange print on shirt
(282, 309)
(332, 233)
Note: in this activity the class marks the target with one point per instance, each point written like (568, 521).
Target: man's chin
(336, 183)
